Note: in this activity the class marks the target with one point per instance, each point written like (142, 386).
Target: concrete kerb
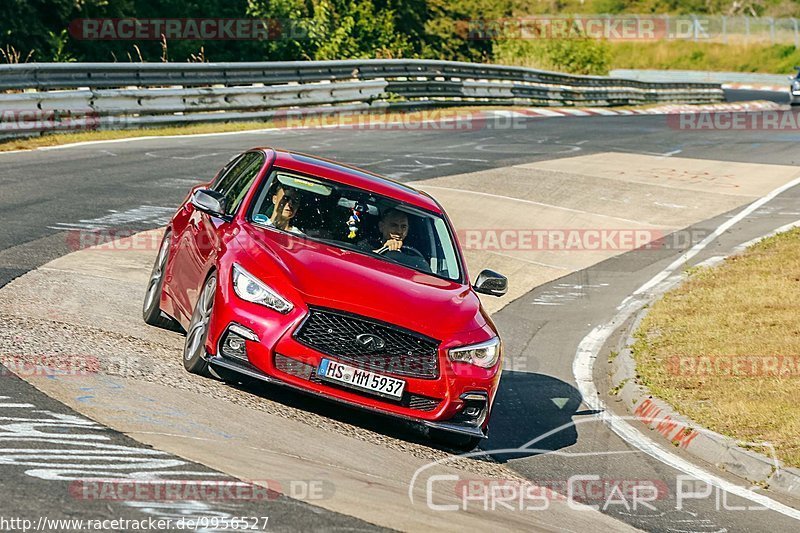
(665, 423)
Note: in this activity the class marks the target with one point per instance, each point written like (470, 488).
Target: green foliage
(58, 43)
(576, 56)
(333, 29)
(343, 29)
(579, 56)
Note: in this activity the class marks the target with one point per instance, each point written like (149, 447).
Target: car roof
(352, 176)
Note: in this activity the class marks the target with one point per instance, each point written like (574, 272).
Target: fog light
(235, 346)
(472, 411)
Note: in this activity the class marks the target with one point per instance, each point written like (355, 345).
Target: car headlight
(251, 289)
(484, 354)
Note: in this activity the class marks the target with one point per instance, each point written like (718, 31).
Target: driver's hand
(393, 245)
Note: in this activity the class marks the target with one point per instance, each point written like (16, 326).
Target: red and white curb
(669, 109)
(665, 424)
(756, 87)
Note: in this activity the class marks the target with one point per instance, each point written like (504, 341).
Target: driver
(394, 229)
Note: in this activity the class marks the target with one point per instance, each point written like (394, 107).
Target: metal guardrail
(127, 95)
(703, 76)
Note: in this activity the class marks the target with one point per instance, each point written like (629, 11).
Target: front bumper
(477, 428)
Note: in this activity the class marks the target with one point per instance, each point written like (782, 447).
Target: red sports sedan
(308, 273)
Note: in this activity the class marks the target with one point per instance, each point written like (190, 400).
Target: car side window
(235, 184)
(239, 189)
(224, 175)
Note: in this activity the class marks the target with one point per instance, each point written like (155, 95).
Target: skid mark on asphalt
(566, 292)
(69, 449)
(180, 157)
(145, 215)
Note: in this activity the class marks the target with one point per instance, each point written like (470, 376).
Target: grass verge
(724, 347)
(598, 57)
(688, 55)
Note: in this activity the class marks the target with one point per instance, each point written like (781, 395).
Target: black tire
(455, 441)
(197, 334)
(151, 309)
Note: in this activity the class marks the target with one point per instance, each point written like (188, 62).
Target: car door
(180, 275)
(206, 232)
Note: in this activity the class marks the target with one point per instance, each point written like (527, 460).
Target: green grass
(745, 310)
(687, 55)
(662, 55)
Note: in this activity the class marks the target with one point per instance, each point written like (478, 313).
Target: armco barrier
(42, 97)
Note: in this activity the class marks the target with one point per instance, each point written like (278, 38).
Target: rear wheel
(194, 350)
(151, 310)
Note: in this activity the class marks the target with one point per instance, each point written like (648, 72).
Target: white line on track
(589, 349)
(531, 261)
(725, 226)
(560, 208)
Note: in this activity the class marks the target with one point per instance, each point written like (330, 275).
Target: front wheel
(194, 350)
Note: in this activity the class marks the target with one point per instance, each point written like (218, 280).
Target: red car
(332, 280)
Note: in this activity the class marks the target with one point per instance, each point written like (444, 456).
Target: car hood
(327, 276)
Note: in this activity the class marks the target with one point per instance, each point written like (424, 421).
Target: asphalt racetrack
(541, 166)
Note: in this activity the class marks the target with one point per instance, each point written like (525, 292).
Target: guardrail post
(725, 29)
(796, 34)
(695, 27)
(747, 28)
(772, 29)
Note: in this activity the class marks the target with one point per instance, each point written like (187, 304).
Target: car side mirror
(492, 283)
(211, 202)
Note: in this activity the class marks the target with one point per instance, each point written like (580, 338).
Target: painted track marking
(589, 349)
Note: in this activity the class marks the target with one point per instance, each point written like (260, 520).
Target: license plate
(361, 379)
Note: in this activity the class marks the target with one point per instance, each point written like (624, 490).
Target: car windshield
(356, 219)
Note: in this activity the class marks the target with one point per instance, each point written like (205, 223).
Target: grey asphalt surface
(41, 439)
(44, 194)
(739, 95)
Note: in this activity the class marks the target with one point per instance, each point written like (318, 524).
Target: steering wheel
(405, 249)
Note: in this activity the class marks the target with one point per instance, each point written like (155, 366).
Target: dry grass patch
(724, 347)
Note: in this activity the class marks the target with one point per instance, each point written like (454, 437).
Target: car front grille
(393, 350)
(302, 370)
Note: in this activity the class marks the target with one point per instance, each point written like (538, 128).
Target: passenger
(287, 203)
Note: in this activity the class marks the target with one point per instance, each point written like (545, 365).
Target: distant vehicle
(304, 272)
(794, 88)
